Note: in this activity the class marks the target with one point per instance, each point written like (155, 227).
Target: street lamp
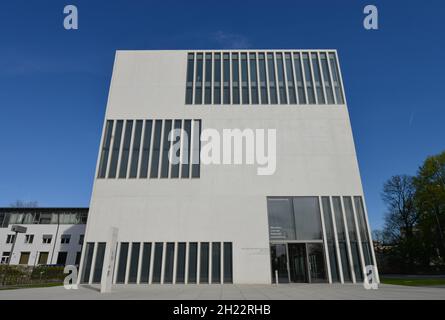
(17, 229)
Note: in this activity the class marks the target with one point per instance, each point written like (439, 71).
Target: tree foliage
(415, 218)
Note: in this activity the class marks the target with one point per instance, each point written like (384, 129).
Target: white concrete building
(222, 223)
(53, 235)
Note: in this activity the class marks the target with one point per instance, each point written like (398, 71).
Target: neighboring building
(53, 235)
(221, 223)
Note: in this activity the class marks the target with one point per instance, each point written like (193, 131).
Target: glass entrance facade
(318, 239)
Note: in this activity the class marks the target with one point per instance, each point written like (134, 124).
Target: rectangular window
(244, 79)
(87, 261)
(81, 238)
(134, 262)
(146, 258)
(307, 218)
(83, 217)
(115, 150)
(272, 85)
(180, 263)
(216, 262)
(105, 149)
(122, 265)
(168, 265)
(198, 79)
(235, 79)
(99, 264)
(146, 149)
(16, 218)
(204, 263)
(308, 77)
(290, 79)
(363, 228)
(61, 258)
(43, 258)
(281, 85)
(263, 78)
(196, 148)
(353, 240)
(136, 149)
(227, 262)
(226, 74)
(45, 218)
(10, 238)
(330, 238)
(253, 78)
(126, 149)
(29, 238)
(24, 257)
(165, 149)
(46, 238)
(4, 219)
(350, 218)
(339, 223)
(177, 142)
(327, 78)
(317, 76)
(189, 83)
(361, 218)
(193, 262)
(156, 149)
(186, 149)
(78, 256)
(65, 238)
(356, 261)
(208, 79)
(299, 79)
(5, 257)
(281, 219)
(336, 79)
(157, 262)
(217, 79)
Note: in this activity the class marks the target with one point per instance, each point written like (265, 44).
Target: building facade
(53, 235)
(300, 216)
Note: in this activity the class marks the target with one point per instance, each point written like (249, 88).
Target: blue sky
(54, 83)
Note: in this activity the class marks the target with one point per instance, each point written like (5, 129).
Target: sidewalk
(235, 292)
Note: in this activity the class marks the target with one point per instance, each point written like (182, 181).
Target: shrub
(14, 275)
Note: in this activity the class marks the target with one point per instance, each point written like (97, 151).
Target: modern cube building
(194, 222)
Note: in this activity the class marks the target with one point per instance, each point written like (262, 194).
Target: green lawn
(414, 281)
(34, 285)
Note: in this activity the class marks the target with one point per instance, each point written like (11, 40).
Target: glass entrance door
(297, 262)
(316, 262)
(278, 256)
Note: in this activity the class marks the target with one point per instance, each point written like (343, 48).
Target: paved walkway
(235, 292)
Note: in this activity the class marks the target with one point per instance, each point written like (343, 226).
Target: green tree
(430, 202)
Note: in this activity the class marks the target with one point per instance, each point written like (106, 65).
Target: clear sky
(54, 83)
